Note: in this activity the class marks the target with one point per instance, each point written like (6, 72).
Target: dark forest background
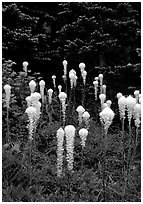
(105, 36)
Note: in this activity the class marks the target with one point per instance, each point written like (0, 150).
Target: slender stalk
(104, 164)
(83, 94)
(7, 120)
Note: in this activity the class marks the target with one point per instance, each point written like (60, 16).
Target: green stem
(7, 120)
(104, 164)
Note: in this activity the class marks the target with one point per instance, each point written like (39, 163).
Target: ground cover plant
(69, 142)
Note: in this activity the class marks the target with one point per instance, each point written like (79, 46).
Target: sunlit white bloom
(119, 95)
(137, 114)
(32, 86)
(28, 99)
(50, 92)
(7, 89)
(130, 102)
(60, 149)
(84, 73)
(42, 86)
(73, 79)
(35, 96)
(109, 102)
(54, 80)
(96, 78)
(62, 97)
(70, 134)
(60, 88)
(65, 67)
(86, 118)
(82, 66)
(106, 117)
(83, 135)
(104, 89)
(102, 99)
(105, 105)
(95, 83)
(72, 71)
(136, 94)
(122, 106)
(80, 111)
(31, 112)
(25, 65)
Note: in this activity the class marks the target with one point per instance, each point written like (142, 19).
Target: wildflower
(60, 88)
(96, 78)
(65, 67)
(73, 79)
(54, 80)
(7, 89)
(50, 92)
(25, 65)
(102, 99)
(137, 114)
(84, 73)
(130, 102)
(31, 112)
(104, 89)
(119, 95)
(42, 86)
(64, 78)
(70, 133)
(95, 83)
(60, 149)
(62, 97)
(122, 106)
(82, 66)
(32, 86)
(101, 81)
(109, 102)
(105, 105)
(86, 117)
(28, 99)
(106, 117)
(80, 111)
(83, 135)
(136, 94)
(35, 96)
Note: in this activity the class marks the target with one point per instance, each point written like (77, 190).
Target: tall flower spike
(137, 114)
(70, 134)
(84, 73)
(83, 135)
(42, 86)
(82, 66)
(131, 102)
(65, 67)
(32, 86)
(60, 88)
(73, 79)
(50, 92)
(63, 97)
(86, 118)
(96, 78)
(80, 111)
(60, 149)
(136, 94)
(104, 89)
(102, 99)
(54, 80)
(106, 118)
(95, 83)
(109, 102)
(101, 81)
(25, 65)
(7, 89)
(28, 99)
(31, 112)
(122, 106)
(119, 95)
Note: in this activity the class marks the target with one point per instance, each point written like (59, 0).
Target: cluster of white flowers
(106, 117)
(83, 132)
(73, 78)
(102, 99)
(42, 86)
(80, 111)
(65, 67)
(130, 103)
(7, 89)
(50, 93)
(122, 105)
(100, 76)
(95, 83)
(25, 65)
(70, 134)
(60, 149)
(63, 97)
(137, 114)
(33, 111)
(86, 119)
(104, 89)
(83, 72)
(32, 85)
